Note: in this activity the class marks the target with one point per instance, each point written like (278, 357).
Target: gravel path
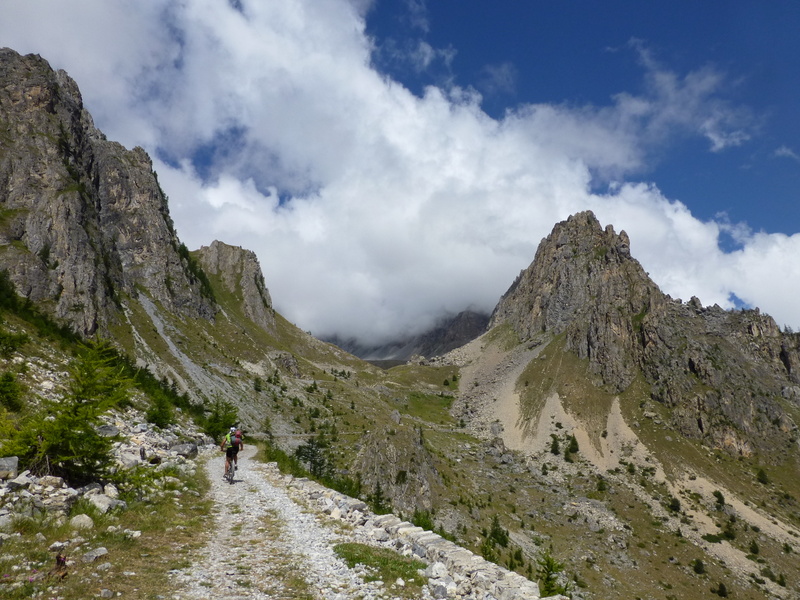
(265, 546)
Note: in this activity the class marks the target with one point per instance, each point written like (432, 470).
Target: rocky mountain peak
(583, 281)
(241, 275)
(585, 285)
(84, 223)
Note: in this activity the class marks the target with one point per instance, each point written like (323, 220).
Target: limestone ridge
(241, 275)
(727, 376)
(83, 221)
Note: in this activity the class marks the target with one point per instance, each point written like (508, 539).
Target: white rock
(81, 522)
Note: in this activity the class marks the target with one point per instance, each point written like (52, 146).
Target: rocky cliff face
(728, 376)
(241, 275)
(83, 221)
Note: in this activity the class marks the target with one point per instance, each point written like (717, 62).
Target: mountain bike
(230, 472)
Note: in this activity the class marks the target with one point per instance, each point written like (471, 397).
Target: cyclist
(231, 444)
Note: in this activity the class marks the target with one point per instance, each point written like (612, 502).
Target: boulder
(437, 570)
(93, 555)
(107, 431)
(90, 489)
(81, 522)
(19, 482)
(186, 450)
(9, 467)
(104, 503)
(49, 480)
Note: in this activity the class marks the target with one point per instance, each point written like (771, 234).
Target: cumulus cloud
(373, 210)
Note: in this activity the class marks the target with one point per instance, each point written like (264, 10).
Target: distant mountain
(449, 333)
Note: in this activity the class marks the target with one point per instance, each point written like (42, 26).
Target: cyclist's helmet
(233, 429)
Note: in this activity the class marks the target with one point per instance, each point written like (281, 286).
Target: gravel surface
(265, 545)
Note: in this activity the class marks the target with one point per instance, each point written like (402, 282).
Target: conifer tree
(63, 439)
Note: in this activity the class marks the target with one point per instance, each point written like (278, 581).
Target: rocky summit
(584, 284)
(597, 439)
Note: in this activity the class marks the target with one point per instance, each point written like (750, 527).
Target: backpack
(233, 440)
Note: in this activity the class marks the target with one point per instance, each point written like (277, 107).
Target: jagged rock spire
(722, 372)
(583, 281)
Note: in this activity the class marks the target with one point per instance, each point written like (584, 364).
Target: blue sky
(585, 53)
(393, 162)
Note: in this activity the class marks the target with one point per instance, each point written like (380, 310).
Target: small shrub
(720, 590)
(63, 439)
(222, 416)
(548, 571)
(10, 392)
(761, 477)
(554, 448)
(698, 566)
(424, 519)
(11, 342)
(497, 533)
(160, 412)
(729, 533)
(378, 501)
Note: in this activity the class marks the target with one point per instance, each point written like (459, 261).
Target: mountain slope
(672, 404)
(84, 221)
(85, 233)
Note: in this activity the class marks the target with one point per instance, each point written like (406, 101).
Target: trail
(265, 546)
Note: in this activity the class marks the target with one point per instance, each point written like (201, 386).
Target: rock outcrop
(84, 223)
(724, 374)
(241, 275)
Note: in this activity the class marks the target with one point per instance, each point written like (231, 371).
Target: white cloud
(786, 152)
(373, 210)
(688, 104)
(499, 78)
(423, 56)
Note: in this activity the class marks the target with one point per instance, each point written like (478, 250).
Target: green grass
(387, 566)
(503, 336)
(171, 534)
(430, 407)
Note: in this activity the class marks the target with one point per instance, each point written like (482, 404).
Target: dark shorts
(232, 451)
